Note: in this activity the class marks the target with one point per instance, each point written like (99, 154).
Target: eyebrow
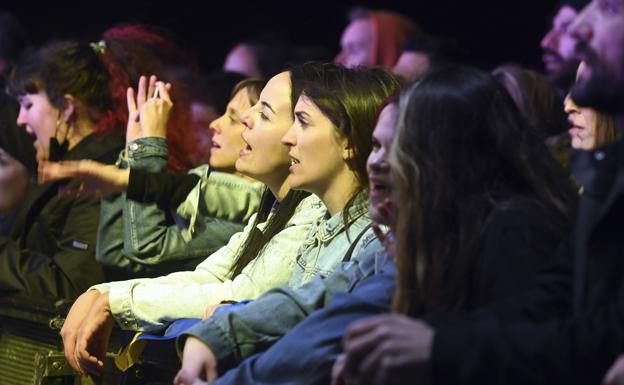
(267, 105)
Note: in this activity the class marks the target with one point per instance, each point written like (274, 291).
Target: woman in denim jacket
(323, 128)
(173, 223)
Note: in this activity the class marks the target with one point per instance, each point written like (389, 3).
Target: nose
(548, 40)
(21, 120)
(214, 125)
(569, 106)
(289, 139)
(377, 162)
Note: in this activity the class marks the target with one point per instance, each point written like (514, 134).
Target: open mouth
(245, 150)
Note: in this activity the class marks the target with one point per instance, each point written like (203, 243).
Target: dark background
(494, 32)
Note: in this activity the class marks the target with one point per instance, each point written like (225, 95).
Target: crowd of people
(393, 215)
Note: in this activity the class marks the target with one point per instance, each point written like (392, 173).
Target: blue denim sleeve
(238, 333)
(306, 354)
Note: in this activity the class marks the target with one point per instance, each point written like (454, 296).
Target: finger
(152, 86)
(168, 87)
(132, 107)
(141, 97)
(379, 233)
(69, 345)
(364, 326)
(164, 92)
(338, 371)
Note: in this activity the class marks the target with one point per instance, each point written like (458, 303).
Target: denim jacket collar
(328, 227)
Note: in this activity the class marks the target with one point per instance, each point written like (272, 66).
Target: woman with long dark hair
(481, 207)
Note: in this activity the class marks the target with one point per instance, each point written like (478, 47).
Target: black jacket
(51, 249)
(570, 327)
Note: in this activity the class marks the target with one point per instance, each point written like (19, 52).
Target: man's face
(357, 44)
(599, 33)
(558, 45)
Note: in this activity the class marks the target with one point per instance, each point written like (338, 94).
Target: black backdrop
(493, 31)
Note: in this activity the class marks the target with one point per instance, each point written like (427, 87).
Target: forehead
(277, 91)
(240, 99)
(358, 30)
(384, 130)
(565, 15)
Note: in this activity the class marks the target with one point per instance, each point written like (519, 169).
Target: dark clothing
(516, 244)
(166, 190)
(520, 342)
(51, 249)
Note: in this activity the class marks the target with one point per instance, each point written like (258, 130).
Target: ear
(69, 110)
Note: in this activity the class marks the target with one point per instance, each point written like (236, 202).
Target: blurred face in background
(356, 44)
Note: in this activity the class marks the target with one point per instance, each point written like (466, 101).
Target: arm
(235, 334)
(147, 304)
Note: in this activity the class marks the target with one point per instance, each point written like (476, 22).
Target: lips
(245, 151)
(293, 162)
(379, 187)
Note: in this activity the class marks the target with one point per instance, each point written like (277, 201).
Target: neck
(338, 192)
(279, 187)
(82, 128)
(245, 177)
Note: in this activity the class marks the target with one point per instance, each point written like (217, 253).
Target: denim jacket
(330, 239)
(234, 334)
(152, 245)
(149, 304)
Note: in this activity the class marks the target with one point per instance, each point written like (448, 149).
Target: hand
(93, 336)
(615, 375)
(148, 115)
(73, 322)
(338, 374)
(212, 308)
(388, 349)
(198, 364)
(92, 178)
(387, 240)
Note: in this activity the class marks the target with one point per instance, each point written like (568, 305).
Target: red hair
(135, 50)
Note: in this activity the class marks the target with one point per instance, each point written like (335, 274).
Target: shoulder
(308, 211)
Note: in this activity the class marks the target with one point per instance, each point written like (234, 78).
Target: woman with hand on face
(65, 103)
(482, 206)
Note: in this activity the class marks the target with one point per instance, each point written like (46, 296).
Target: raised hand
(148, 111)
(199, 364)
(91, 178)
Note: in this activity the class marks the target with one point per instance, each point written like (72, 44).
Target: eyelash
(263, 116)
